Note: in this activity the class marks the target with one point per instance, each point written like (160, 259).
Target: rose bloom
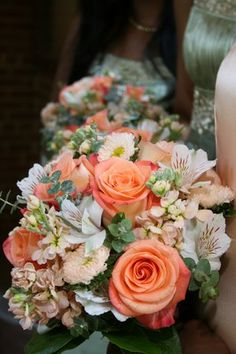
(120, 186)
(159, 152)
(148, 281)
(20, 245)
(76, 170)
(102, 122)
(135, 92)
(144, 134)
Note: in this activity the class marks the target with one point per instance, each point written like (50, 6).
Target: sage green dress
(210, 33)
(157, 79)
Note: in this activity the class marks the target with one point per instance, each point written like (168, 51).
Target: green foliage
(227, 209)
(142, 340)
(119, 233)
(5, 202)
(62, 190)
(52, 342)
(89, 134)
(203, 279)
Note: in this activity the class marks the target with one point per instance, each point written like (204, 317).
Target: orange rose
(159, 152)
(76, 170)
(144, 134)
(148, 281)
(20, 245)
(102, 122)
(135, 92)
(120, 186)
(102, 84)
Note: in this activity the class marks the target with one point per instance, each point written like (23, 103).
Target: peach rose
(102, 122)
(102, 84)
(76, 170)
(135, 92)
(159, 152)
(144, 134)
(148, 281)
(20, 245)
(120, 186)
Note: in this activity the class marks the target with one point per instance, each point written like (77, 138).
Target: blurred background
(32, 34)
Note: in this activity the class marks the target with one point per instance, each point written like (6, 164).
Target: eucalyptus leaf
(55, 176)
(117, 246)
(54, 188)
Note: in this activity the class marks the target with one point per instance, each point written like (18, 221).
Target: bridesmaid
(210, 33)
(222, 315)
(141, 40)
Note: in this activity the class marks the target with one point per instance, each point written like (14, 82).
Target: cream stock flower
(117, 144)
(24, 277)
(79, 268)
(211, 195)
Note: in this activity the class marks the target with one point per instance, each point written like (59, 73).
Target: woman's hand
(197, 338)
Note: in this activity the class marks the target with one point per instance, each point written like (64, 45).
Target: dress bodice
(222, 313)
(154, 76)
(210, 33)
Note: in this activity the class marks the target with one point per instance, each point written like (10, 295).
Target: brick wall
(26, 72)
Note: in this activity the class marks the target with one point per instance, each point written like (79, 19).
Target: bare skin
(133, 43)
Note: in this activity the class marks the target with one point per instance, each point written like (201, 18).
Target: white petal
(28, 184)
(118, 315)
(181, 160)
(200, 163)
(95, 309)
(88, 228)
(71, 213)
(213, 241)
(95, 212)
(95, 242)
(89, 296)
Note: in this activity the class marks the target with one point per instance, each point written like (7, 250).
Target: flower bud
(85, 147)
(161, 188)
(33, 203)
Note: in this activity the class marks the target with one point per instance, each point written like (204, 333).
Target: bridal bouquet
(113, 234)
(110, 105)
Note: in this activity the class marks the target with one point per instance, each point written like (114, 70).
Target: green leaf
(54, 188)
(55, 176)
(190, 263)
(45, 179)
(126, 224)
(193, 286)
(204, 266)
(214, 278)
(128, 237)
(142, 340)
(48, 343)
(118, 218)
(67, 186)
(114, 229)
(117, 246)
(71, 345)
(134, 343)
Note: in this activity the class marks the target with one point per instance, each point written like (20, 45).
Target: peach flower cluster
(105, 227)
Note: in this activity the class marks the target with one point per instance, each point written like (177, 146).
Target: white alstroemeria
(189, 165)
(97, 305)
(28, 184)
(148, 125)
(206, 240)
(86, 223)
(117, 144)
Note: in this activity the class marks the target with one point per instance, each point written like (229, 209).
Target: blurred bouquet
(113, 234)
(103, 100)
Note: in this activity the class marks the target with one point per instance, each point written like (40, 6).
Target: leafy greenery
(63, 189)
(6, 203)
(203, 279)
(227, 209)
(137, 339)
(119, 233)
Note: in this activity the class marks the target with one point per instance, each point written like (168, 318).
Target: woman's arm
(184, 86)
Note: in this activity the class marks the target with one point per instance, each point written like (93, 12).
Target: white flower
(85, 147)
(86, 223)
(28, 184)
(148, 125)
(189, 165)
(79, 268)
(97, 305)
(117, 144)
(33, 203)
(206, 240)
(211, 195)
(161, 187)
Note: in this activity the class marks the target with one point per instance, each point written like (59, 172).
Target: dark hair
(103, 21)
